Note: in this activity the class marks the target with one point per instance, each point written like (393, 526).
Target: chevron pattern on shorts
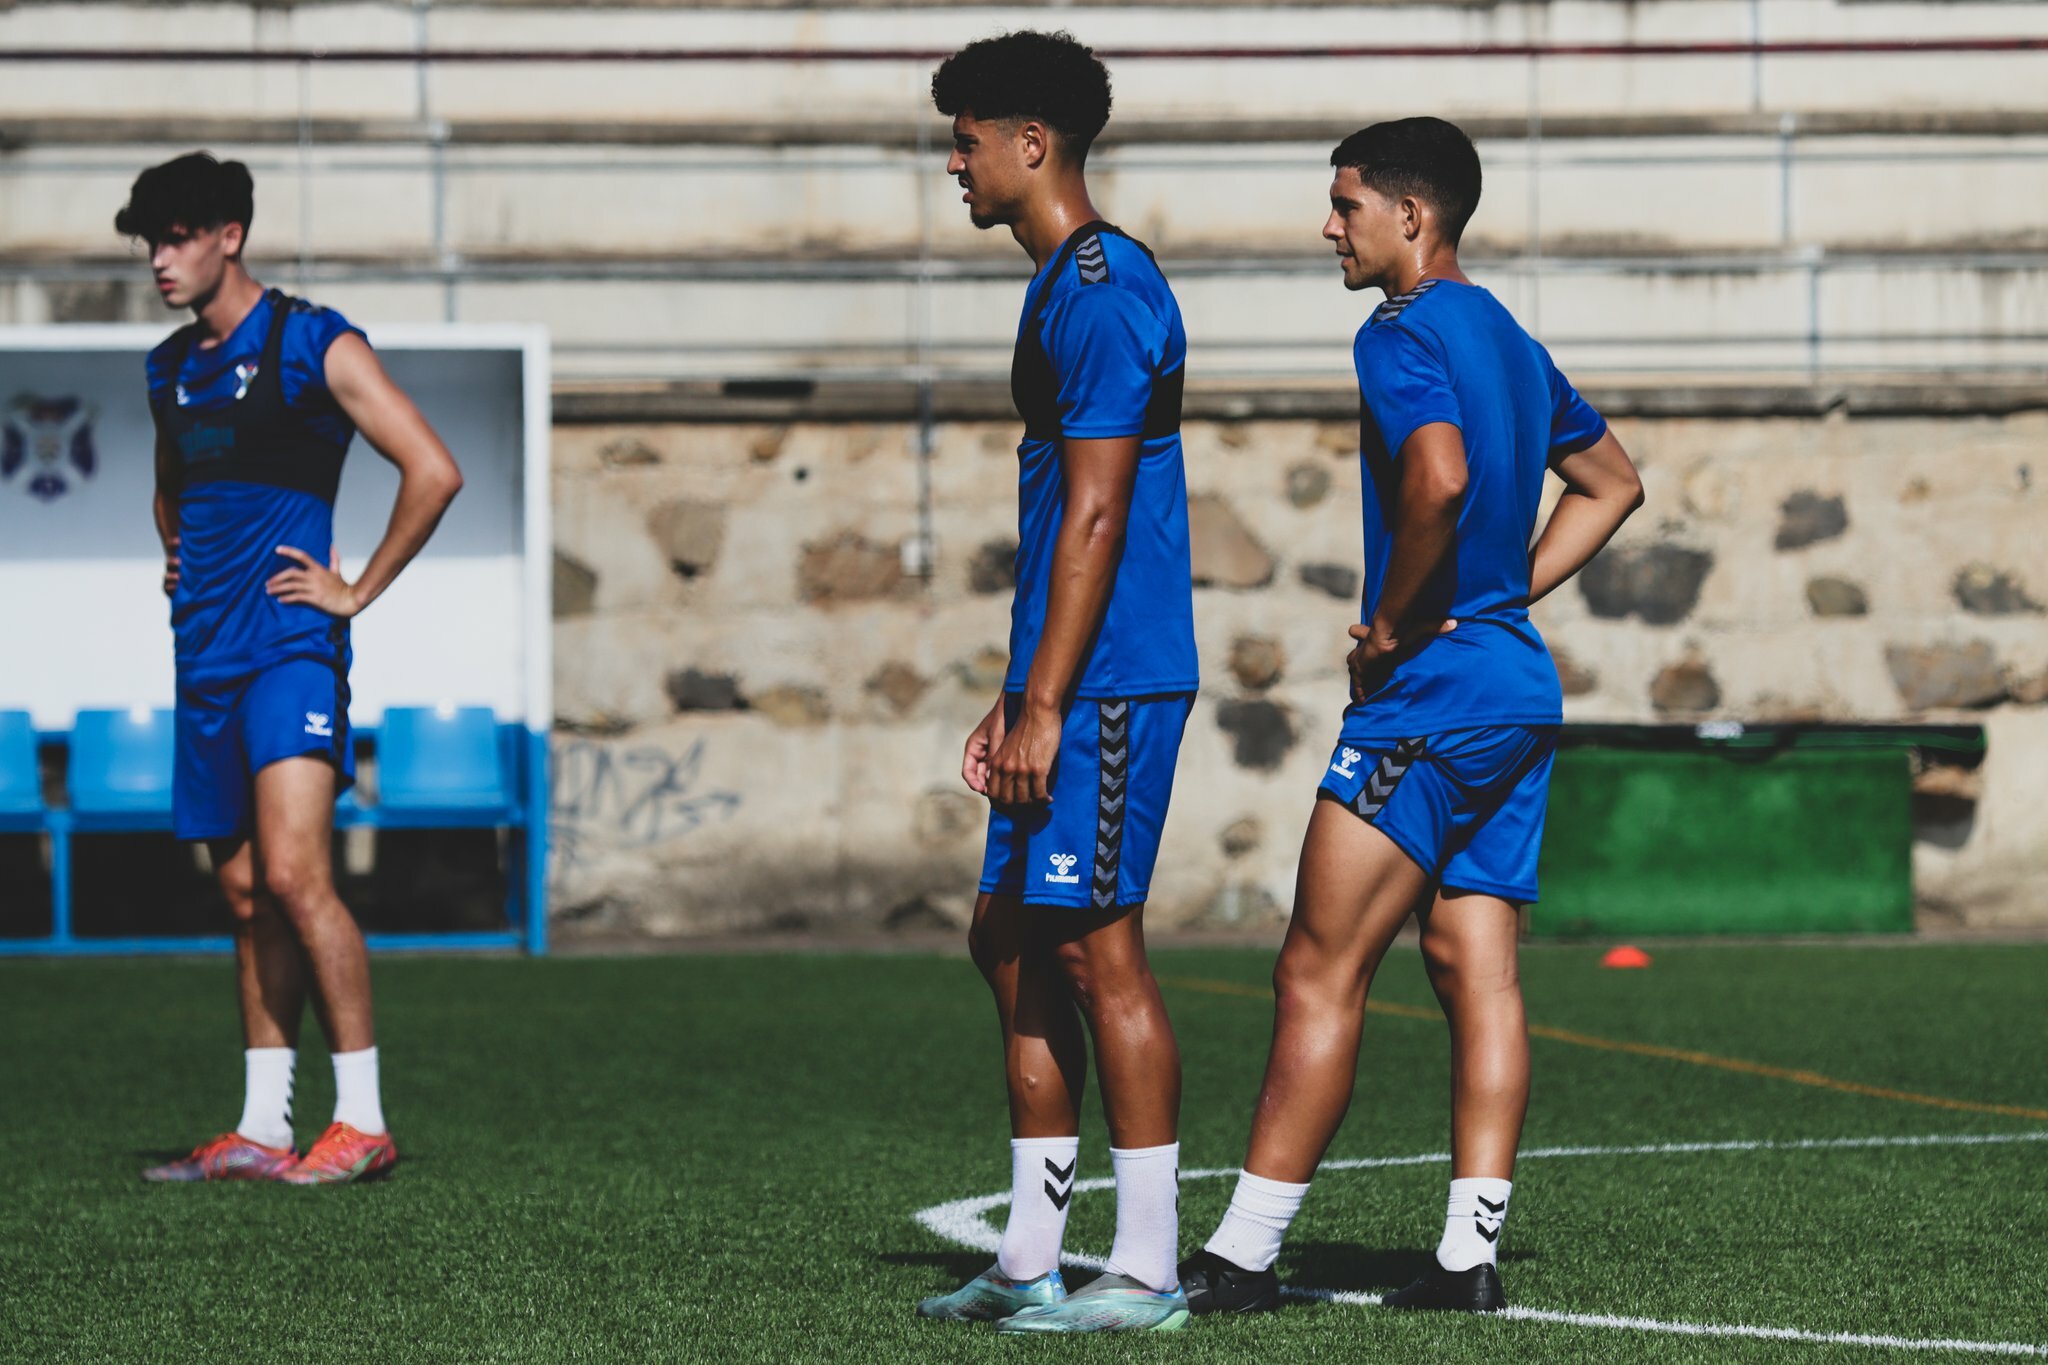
(1089, 260)
(1380, 783)
(1113, 722)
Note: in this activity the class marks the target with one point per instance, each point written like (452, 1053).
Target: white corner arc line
(965, 1222)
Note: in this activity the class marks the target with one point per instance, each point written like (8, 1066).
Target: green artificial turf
(719, 1158)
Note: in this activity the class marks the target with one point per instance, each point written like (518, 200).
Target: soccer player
(256, 401)
(1077, 756)
(1433, 802)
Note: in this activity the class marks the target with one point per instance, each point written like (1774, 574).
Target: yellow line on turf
(1669, 1054)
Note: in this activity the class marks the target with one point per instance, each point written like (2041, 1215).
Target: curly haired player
(1077, 756)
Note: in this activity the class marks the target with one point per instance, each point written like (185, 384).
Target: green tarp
(1722, 830)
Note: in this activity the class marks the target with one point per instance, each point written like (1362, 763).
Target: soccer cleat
(1215, 1285)
(344, 1154)
(1112, 1303)
(1457, 1291)
(227, 1157)
(992, 1295)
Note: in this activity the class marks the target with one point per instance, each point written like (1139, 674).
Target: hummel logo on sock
(1487, 1221)
(1060, 1188)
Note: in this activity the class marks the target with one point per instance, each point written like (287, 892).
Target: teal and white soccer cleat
(991, 1295)
(1113, 1303)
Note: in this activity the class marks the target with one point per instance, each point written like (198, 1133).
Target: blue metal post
(536, 868)
(60, 877)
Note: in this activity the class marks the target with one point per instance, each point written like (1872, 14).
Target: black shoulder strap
(1059, 263)
(273, 340)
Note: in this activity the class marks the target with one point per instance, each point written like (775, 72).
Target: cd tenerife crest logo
(46, 445)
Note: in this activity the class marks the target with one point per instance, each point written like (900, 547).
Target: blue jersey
(258, 442)
(1101, 353)
(1449, 352)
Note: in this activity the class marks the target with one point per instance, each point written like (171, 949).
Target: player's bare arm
(1433, 479)
(428, 482)
(1601, 490)
(1100, 474)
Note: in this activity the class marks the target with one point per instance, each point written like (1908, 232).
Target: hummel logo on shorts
(1064, 873)
(1342, 767)
(319, 725)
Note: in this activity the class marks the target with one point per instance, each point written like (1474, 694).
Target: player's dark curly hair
(1424, 157)
(1027, 74)
(193, 191)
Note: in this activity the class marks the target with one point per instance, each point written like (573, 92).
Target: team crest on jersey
(1063, 869)
(245, 375)
(46, 445)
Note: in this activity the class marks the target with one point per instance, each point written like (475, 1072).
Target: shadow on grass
(959, 1266)
(1347, 1268)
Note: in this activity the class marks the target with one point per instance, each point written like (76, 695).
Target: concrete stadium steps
(1345, 90)
(690, 220)
(1258, 319)
(1634, 196)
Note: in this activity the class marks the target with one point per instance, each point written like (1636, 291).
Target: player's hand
(981, 747)
(1372, 658)
(1021, 772)
(313, 585)
(170, 566)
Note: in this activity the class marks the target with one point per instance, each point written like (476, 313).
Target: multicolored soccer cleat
(227, 1157)
(1113, 1303)
(991, 1295)
(344, 1154)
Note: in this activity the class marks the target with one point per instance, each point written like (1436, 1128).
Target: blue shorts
(1466, 805)
(1093, 844)
(230, 730)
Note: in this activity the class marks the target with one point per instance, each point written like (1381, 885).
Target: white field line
(965, 1222)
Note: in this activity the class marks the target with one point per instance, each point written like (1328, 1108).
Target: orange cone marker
(1627, 955)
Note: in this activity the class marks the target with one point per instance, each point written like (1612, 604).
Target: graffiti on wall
(618, 796)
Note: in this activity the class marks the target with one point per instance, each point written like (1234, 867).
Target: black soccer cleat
(1214, 1285)
(1455, 1291)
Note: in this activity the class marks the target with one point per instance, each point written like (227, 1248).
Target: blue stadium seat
(21, 787)
(442, 763)
(121, 768)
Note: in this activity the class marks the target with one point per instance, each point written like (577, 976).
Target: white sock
(1478, 1210)
(357, 1101)
(1041, 1187)
(1256, 1222)
(1147, 1214)
(267, 1095)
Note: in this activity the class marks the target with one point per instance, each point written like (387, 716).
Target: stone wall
(761, 703)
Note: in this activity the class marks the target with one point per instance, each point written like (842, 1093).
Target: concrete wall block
(607, 531)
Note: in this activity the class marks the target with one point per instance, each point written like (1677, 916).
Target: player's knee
(1438, 956)
(981, 949)
(239, 889)
(1304, 977)
(1082, 971)
(296, 887)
